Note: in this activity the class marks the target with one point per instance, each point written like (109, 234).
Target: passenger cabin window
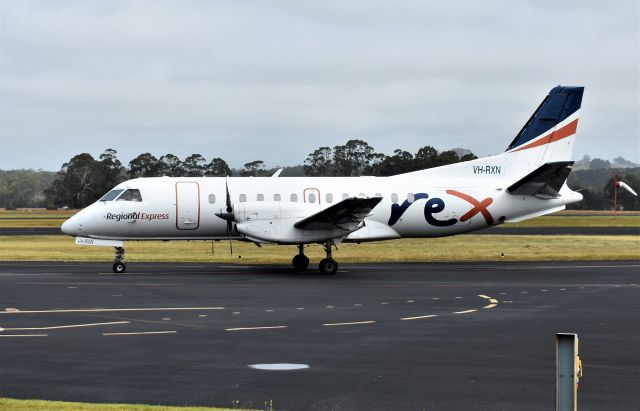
(329, 198)
(345, 196)
(132, 194)
(243, 198)
(394, 198)
(312, 198)
(378, 195)
(411, 198)
(212, 198)
(361, 195)
(111, 195)
(294, 198)
(260, 197)
(276, 197)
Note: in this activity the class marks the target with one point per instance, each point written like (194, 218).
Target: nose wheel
(119, 266)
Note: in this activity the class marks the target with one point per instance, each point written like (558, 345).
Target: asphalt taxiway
(384, 336)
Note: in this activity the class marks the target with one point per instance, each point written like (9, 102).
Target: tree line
(84, 179)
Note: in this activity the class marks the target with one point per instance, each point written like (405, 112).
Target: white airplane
(527, 180)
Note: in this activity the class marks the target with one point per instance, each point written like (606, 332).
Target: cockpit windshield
(111, 195)
(132, 194)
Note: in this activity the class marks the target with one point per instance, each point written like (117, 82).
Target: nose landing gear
(119, 266)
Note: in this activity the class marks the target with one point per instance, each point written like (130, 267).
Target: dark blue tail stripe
(557, 106)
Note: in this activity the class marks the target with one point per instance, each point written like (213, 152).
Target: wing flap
(346, 215)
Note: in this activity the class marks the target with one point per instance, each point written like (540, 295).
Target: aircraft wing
(545, 181)
(345, 215)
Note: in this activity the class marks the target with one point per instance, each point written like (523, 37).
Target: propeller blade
(229, 206)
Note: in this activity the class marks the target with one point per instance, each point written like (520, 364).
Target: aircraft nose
(72, 226)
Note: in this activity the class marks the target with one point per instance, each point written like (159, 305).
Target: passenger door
(187, 205)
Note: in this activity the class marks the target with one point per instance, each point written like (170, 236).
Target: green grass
(37, 405)
(38, 218)
(579, 221)
(457, 248)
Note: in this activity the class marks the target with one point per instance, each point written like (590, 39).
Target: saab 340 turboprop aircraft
(527, 180)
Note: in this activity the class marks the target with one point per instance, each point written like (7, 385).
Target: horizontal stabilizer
(347, 215)
(546, 181)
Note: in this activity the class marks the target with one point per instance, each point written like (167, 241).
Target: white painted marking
(507, 301)
(544, 291)
(58, 327)
(236, 313)
(300, 308)
(255, 328)
(464, 312)
(523, 292)
(493, 301)
(435, 298)
(458, 298)
(330, 306)
(269, 311)
(384, 303)
(410, 301)
(279, 367)
(351, 323)
(166, 319)
(563, 289)
(72, 287)
(503, 293)
(490, 306)
(141, 333)
(418, 317)
(357, 305)
(105, 310)
(117, 295)
(24, 335)
(483, 296)
(202, 315)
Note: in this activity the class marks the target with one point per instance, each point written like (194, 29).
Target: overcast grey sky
(274, 80)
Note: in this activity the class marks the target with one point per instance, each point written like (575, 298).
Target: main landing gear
(327, 265)
(300, 261)
(119, 266)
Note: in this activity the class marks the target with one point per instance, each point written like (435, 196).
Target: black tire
(300, 262)
(328, 266)
(119, 268)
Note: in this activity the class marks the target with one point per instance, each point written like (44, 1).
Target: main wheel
(328, 266)
(119, 268)
(300, 262)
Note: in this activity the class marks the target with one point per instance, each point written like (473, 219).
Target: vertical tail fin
(549, 134)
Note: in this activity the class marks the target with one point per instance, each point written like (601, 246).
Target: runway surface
(500, 230)
(395, 336)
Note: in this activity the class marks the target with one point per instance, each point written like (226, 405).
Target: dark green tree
(447, 157)
(170, 165)
(426, 157)
(400, 162)
(253, 169)
(217, 168)
(79, 183)
(112, 168)
(145, 165)
(194, 165)
(319, 163)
